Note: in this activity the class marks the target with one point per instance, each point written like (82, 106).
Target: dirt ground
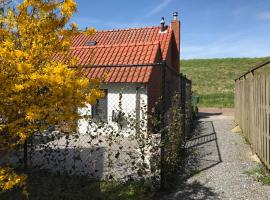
(221, 111)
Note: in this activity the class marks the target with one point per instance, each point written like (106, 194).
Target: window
(120, 118)
(100, 109)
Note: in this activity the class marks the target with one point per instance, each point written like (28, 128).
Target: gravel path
(216, 164)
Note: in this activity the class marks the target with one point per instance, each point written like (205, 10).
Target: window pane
(99, 110)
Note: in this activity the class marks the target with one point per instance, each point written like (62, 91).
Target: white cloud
(246, 47)
(242, 10)
(158, 7)
(263, 15)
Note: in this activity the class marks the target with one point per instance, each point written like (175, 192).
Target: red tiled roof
(128, 36)
(101, 61)
(121, 74)
(119, 54)
(119, 47)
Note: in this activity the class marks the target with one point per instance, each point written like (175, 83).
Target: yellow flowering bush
(90, 31)
(8, 182)
(37, 91)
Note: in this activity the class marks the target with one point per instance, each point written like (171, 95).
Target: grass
(46, 186)
(196, 172)
(259, 174)
(213, 79)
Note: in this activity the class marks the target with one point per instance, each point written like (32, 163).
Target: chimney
(162, 24)
(175, 26)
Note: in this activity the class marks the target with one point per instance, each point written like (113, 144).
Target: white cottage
(126, 62)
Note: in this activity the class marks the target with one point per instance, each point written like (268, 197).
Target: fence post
(162, 118)
(25, 156)
(183, 102)
(188, 108)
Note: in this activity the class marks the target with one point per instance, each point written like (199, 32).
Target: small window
(100, 109)
(120, 118)
(90, 43)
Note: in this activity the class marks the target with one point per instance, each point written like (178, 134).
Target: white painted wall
(130, 94)
(94, 153)
(82, 154)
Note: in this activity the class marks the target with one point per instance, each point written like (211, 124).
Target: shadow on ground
(200, 153)
(207, 115)
(42, 185)
(195, 190)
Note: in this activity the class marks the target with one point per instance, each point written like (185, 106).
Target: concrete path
(215, 164)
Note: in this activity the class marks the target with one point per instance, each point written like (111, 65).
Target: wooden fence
(252, 113)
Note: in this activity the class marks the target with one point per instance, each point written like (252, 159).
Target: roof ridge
(125, 29)
(118, 45)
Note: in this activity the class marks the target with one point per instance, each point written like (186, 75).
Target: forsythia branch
(36, 90)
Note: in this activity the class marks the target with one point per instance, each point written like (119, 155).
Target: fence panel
(252, 113)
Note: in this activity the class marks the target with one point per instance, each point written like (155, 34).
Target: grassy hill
(213, 79)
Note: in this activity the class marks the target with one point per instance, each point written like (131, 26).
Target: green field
(213, 79)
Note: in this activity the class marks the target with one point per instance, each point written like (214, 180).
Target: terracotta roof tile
(121, 74)
(119, 47)
(127, 36)
(112, 54)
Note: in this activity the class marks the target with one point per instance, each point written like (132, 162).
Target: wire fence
(135, 132)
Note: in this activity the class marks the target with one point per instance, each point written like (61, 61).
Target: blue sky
(209, 29)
